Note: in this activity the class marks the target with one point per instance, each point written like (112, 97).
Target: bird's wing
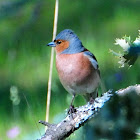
(92, 58)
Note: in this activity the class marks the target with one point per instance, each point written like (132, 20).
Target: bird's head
(67, 42)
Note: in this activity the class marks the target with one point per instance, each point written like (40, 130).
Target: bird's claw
(71, 110)
(92, 100)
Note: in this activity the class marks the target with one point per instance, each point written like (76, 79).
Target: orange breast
(73, 68)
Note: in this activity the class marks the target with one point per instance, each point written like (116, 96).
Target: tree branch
(73, 122)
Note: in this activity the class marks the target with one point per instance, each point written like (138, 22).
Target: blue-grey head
(67, 42)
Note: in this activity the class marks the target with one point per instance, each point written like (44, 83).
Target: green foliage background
(25, 29)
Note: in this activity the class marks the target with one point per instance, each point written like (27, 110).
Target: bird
(77, 67)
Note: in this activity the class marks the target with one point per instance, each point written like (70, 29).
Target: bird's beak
(51, 44)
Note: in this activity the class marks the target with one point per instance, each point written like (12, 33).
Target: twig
(51, 61)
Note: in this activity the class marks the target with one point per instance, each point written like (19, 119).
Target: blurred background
(25, 29)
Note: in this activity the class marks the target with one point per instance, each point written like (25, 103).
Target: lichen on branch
(131, 50)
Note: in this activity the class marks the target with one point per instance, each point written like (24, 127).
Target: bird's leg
(93, 96)
(71, 108)
(92, 100)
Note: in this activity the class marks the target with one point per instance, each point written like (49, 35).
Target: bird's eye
(59, 42)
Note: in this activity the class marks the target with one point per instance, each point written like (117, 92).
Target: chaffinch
(77, 67)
